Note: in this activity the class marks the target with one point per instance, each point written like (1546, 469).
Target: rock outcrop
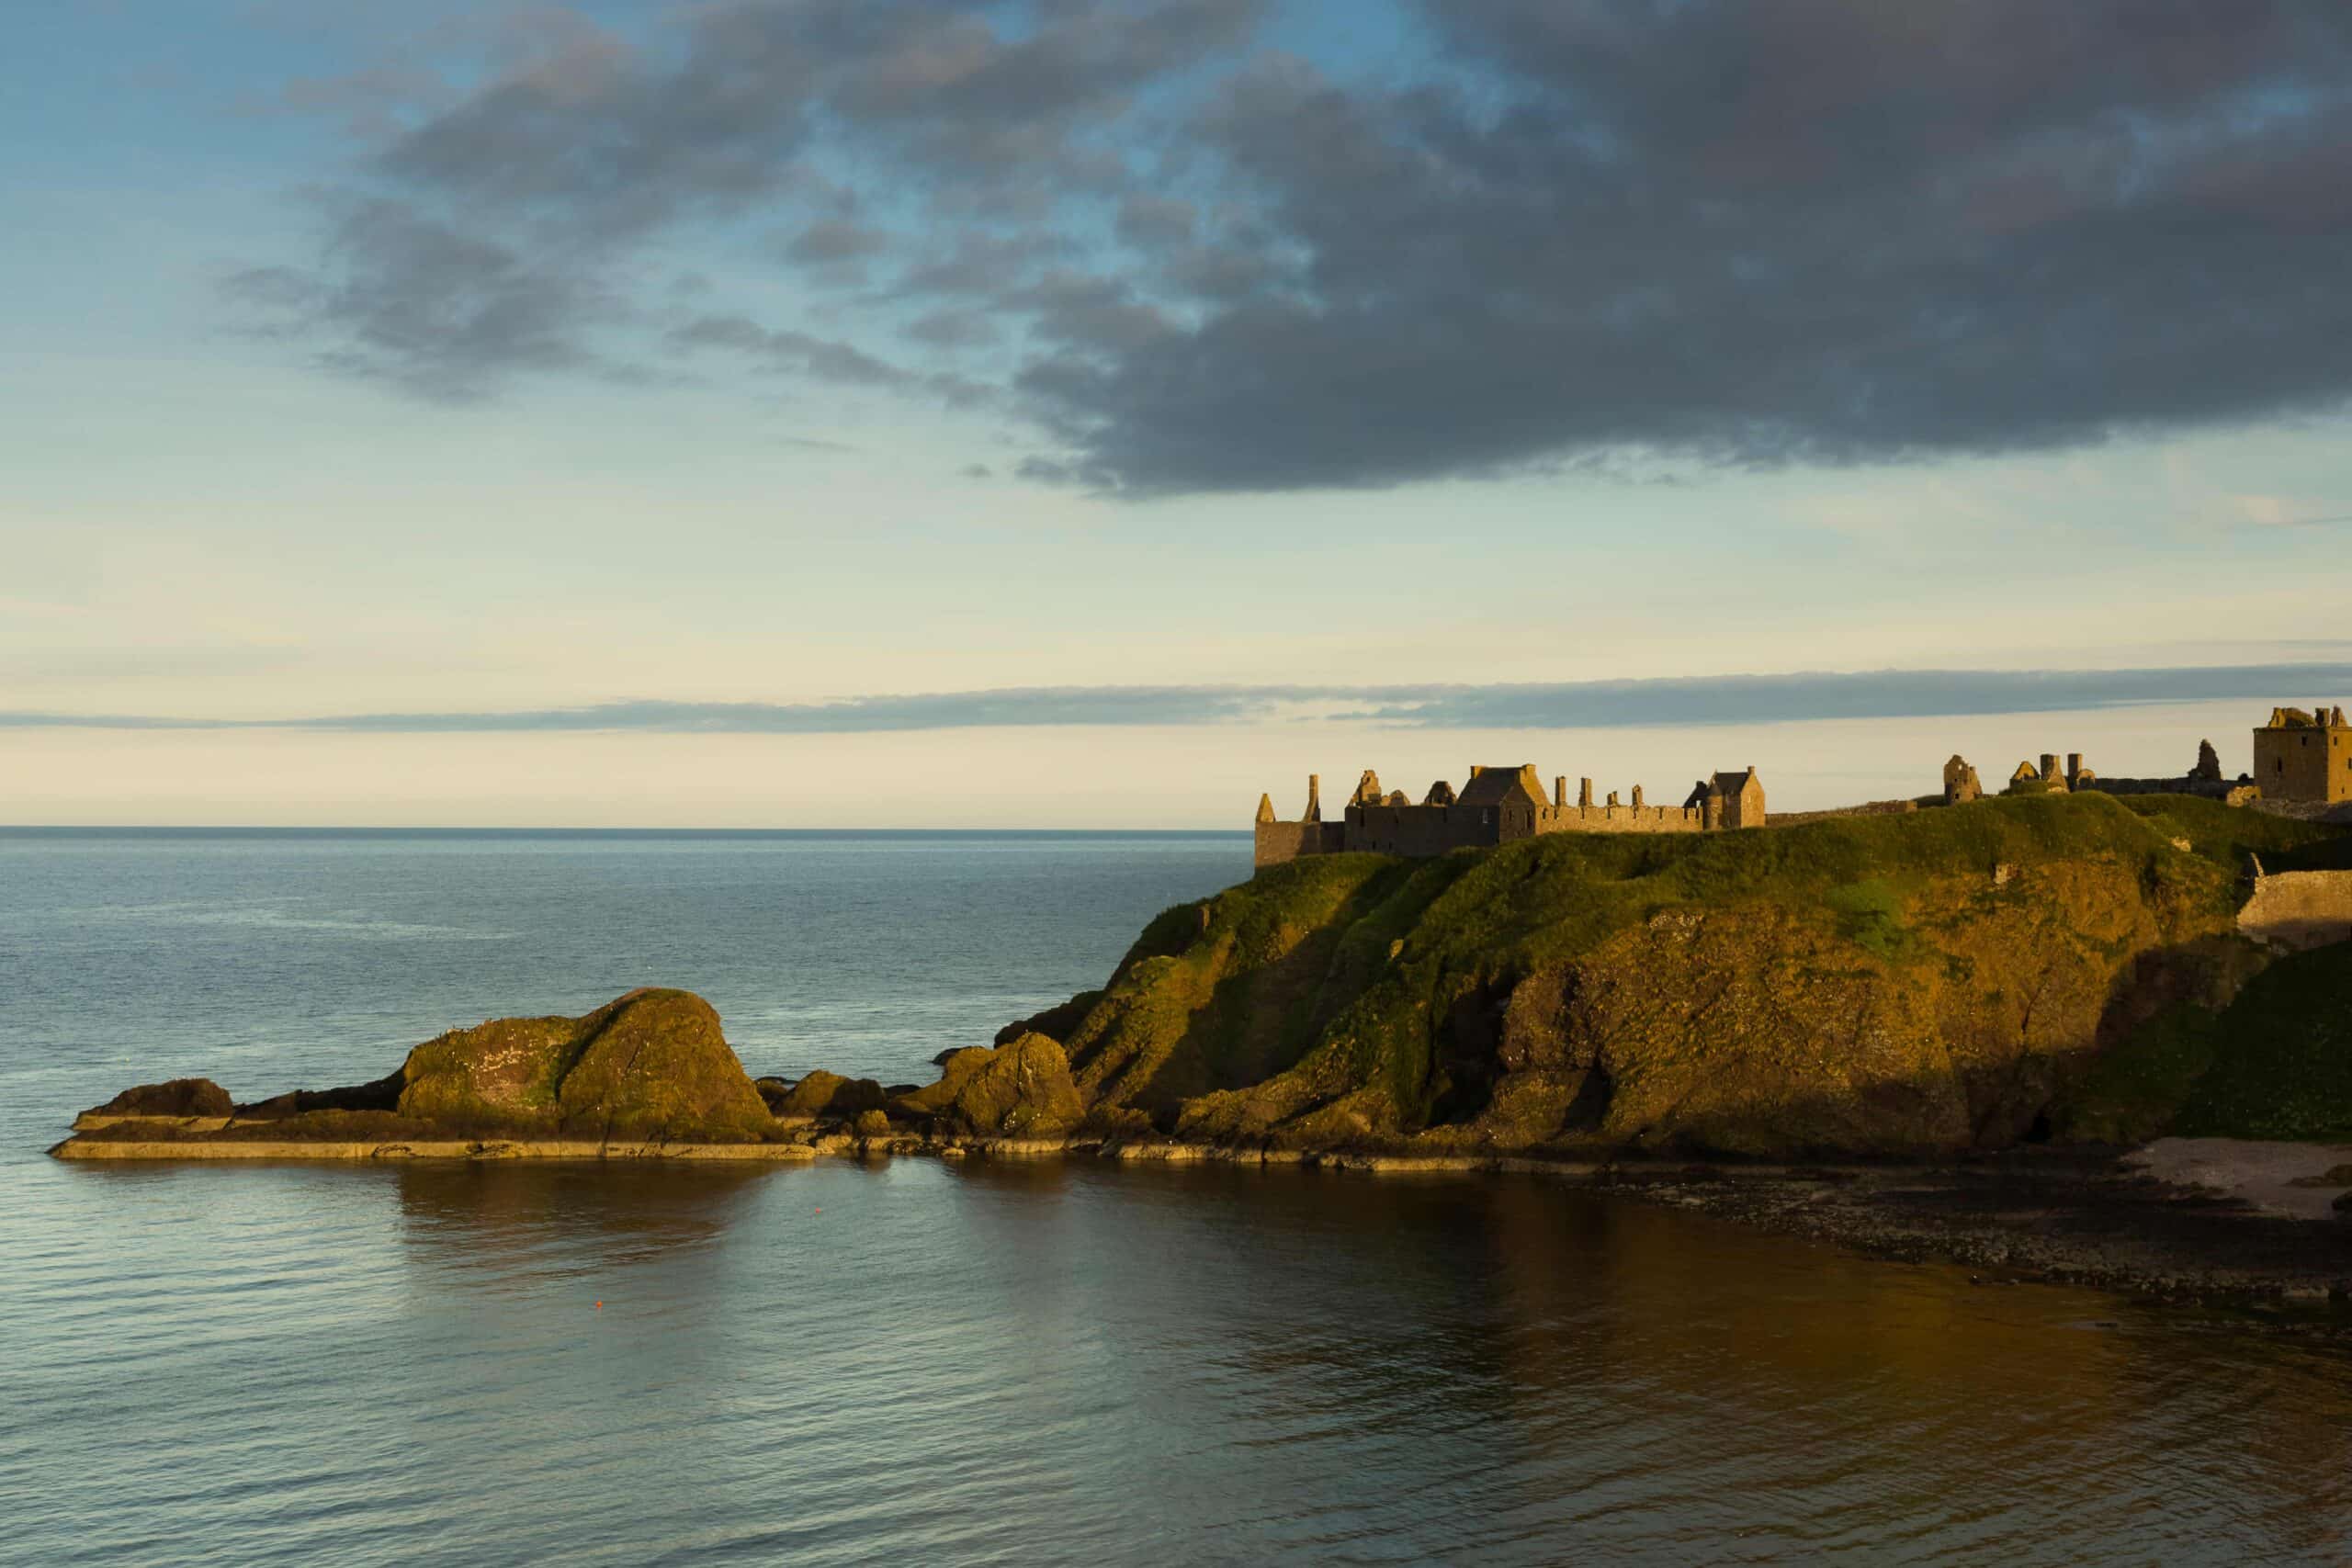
(652, 1061)
(1937, 981)
(646, 1069)
(1022, 1089)
(172, 1099)
(821, 1093)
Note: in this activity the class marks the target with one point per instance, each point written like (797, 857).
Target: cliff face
(1936, 981)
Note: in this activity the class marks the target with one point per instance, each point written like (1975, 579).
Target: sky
(905, 413)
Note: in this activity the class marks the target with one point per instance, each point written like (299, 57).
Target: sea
(913, 1361)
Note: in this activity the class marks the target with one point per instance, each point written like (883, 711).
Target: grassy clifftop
(1940, 980)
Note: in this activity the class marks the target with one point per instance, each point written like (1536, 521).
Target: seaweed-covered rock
(830, 1094)
(383, 1094)
(652, 1062)
(174, 1097)
(1022, 1089)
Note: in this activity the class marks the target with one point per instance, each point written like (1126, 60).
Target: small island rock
(174, 1097)
(651, 1061)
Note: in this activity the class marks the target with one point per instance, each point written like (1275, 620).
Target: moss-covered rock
(2281, 1055)
(1021, 1090)
(652, 1062)
(830, 1094)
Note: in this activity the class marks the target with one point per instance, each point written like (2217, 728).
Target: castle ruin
(2304, 756)
(1495, 806)
(2052, 777)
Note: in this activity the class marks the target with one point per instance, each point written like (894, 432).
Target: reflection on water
(1073, 1362)
(496, 1217)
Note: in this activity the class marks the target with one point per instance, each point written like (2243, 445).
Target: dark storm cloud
(1774, 231)
(836, 239)
(1818, 229)
(1588, 705)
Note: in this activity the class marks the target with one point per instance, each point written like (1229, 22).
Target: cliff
(1939, 981)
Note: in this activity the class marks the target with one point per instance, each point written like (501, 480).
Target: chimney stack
(1314, 798)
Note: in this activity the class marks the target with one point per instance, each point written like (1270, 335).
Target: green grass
(2281, 1055)
(2134, 1091)
(2225, 835)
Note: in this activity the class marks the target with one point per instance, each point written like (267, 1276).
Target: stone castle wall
(1620, 819)
(1389, 825)
(1280, 842)
(2300, 908)
(1421, 830)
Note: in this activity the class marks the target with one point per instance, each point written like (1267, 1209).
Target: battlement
(1496, 806)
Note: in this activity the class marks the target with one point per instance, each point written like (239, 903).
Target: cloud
(821, 359)
(836, 239)
(434, 310)
(1824, 231)
(1565, 232)
(1591, 704)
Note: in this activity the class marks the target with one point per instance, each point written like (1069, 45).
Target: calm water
(920, 1362)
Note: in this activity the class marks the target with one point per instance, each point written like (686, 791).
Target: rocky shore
(1961, 1034)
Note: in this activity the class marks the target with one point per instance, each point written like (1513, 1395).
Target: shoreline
(2180, 1221)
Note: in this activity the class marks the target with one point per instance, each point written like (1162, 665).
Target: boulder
(830, 1094)
(174, 1097)
(651, 1063)
(1019, 1089)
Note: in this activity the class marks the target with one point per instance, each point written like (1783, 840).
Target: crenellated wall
(1616, 819)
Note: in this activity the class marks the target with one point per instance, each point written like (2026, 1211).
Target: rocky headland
(1932, 1033)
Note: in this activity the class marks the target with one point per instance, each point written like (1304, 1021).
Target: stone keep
(2302, 755)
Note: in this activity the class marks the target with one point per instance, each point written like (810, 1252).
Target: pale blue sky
(391, 360)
